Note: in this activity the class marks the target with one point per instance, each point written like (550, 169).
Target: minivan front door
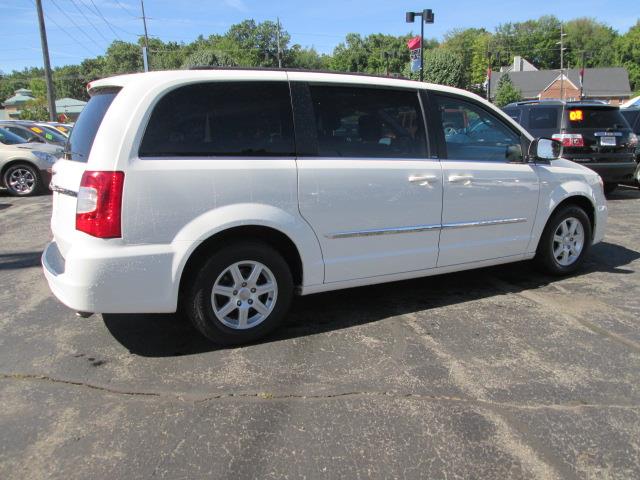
(366, 184)
(490, 195)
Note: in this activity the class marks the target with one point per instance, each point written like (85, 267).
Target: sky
(78, 29)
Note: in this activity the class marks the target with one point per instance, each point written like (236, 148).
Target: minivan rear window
(85, 129)
(595, 117)
(248, 119)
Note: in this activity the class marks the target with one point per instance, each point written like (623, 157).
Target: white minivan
(223, 192)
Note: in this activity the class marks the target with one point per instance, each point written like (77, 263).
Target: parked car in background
(64, 128)
(633, 102)
(632, 116)
(227, 191)
(25, 168)
(32, 132)
(593, 134)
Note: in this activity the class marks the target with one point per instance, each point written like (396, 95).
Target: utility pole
(278, 40)
(145, 49)
(489, 76)
(51, 97)
(561, 43)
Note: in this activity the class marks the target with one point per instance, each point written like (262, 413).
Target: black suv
(632, 116)
(593, 134)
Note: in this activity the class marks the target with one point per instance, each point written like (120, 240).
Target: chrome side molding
(383, 231)
(484, 223)
(422, 228)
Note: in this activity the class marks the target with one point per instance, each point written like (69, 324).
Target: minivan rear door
(67, 172)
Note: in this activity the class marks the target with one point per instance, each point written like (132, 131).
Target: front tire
(565, 241)
(242, 293)
(22, 180)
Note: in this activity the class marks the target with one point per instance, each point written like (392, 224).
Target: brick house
(607, 84)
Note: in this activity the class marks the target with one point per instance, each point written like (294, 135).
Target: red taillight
(98, 211)
(569, 139)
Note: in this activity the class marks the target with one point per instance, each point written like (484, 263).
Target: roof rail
(276, 69)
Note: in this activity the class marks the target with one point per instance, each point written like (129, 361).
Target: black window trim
(439, 134)
(137, 144)
(303, 114)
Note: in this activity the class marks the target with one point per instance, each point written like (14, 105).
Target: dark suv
(632, 116)
(593, 134)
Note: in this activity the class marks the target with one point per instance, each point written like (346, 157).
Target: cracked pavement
(495, 373)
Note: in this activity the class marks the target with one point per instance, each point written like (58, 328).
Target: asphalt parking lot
(496, 373)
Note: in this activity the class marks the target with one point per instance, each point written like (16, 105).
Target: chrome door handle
(423, 180)
(466, 179)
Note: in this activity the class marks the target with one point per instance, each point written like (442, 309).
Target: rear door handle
(465, 179)
(423, 180)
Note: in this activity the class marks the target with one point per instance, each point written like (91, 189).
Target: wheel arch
(578, 199)
(583, 202)
(276, 239)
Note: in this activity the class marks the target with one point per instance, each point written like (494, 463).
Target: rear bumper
(135, 279)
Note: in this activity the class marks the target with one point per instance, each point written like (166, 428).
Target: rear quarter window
(514, 113)
(84, 131)
(249, 119)
(544, 117)
(631, 116)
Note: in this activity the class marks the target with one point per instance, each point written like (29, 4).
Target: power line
(90, 22)
(64, 30)
(126, 9)
(76, 25)
(108, 23)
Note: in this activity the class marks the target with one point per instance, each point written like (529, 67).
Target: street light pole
(426, 16)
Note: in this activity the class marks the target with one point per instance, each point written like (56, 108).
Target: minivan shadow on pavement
(171, 335)
(14, 261)
(624, 192)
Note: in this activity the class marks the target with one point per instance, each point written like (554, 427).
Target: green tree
(465, 43)
(70, 82)
(506, 92)
(38, 88)
(595, 40)
(372, 53)
(534, 40)
(441, 66)
(628, 54)
(306, 58)
(35, 110)
(123, 57)
(479, 61)
(208, 57)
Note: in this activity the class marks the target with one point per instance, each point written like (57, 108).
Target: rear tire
(22, 180)
(242, 293)
(565, 241)
(609, 188)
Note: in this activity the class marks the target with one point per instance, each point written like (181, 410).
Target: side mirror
(543, 150)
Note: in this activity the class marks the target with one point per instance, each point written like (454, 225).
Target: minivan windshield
(595, 117)
(85, 129)
(8, 138)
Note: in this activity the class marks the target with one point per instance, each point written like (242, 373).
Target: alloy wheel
(568, 241)
(244, 294)
(21, 180)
